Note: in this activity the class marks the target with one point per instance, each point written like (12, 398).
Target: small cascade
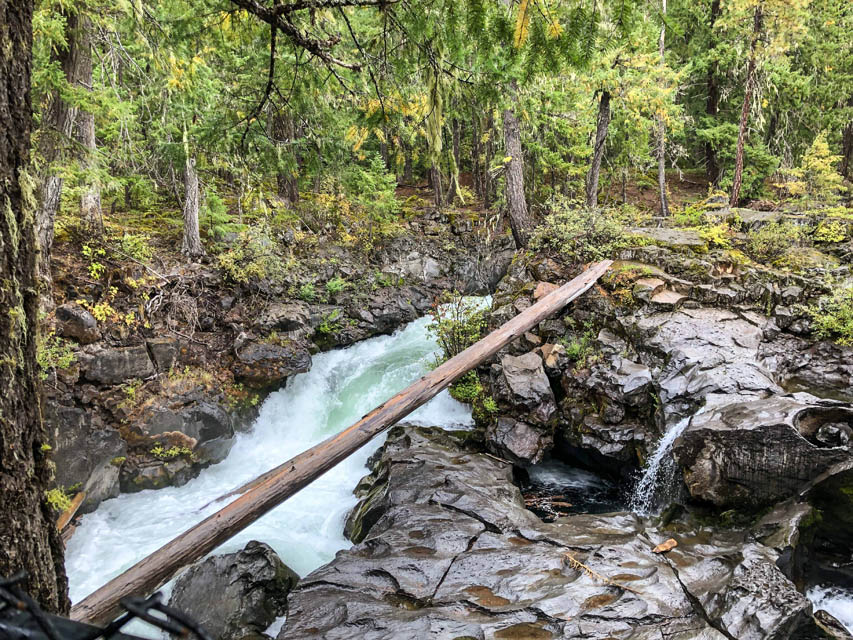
(658, 474)
(836, 601)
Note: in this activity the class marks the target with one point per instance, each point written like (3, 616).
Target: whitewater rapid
(307, 530)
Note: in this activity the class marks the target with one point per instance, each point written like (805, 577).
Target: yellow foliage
(522, 24)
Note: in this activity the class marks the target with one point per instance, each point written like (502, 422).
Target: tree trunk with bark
(519, 217)
(408, 176)
(55, 144)
(488, 181)
(287, 179)
(847, 147)
(712, 104)
(191, 245)
(661, 127)
(594, 172)
(435, 180)
(454, 174)
(90, 202)
(29, 540)
(476, 177)
(757, 27)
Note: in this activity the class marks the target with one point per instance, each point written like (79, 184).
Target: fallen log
(275, 486)
(66, 516)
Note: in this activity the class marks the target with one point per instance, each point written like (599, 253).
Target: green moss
(118, 461)
(57, 499)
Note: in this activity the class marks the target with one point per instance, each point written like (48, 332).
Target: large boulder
(236, 596)
(524, 387)
(117, 365)
(86, 456)
(518, 441)
(753, 454)
(263, 364)
(73, 321)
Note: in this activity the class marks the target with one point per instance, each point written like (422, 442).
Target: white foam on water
(836, 601)
(307, 530)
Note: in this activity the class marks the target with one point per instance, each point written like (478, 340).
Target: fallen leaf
(663, 547)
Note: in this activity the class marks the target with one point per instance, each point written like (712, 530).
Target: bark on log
(275, 486)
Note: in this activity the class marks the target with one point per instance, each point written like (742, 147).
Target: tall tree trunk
(661, 127)
(475, 156)
(847, 146)
(598, 150)
(30, 540)
(90, 201)
(408, 177)
(712, 105)
(519, 217)
(454, 173)
(757, 26)
(488, 182)
(191, 245)
(54, 144)
(435, 179)
(287, 179)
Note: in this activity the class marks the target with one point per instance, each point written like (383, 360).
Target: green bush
(336, 285)
(580, 235)
(832, 316)
(253, 255)
(771, 241)
(307, 292)
(53, 353)
(456, 324)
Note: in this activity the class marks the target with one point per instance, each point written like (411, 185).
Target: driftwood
(275, 486)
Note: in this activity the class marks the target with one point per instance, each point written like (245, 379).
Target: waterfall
(658, 474)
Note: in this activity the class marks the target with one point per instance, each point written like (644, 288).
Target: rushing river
(305, 531)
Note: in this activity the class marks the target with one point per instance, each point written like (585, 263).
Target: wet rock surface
(449, 551)
(238, 595)
(752, 454)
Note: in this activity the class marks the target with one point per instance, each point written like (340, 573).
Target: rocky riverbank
(153, 390)
(689, 362)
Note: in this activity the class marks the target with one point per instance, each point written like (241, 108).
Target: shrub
(832, 316)
(252, 256)
(307, 292)
(816, 179)
(331, 323)
(580, 235)
(831, 231)
(336, 285)
(53, 353)
(772, 240)
(456, 324)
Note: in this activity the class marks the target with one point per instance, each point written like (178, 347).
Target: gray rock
(285, 316)
(164, 352)
(113, 366)
(518, 441)
(238, 595)
(752, 454)
(262, 364)
(84, 454)
(452, 553)
(526, 388)
(73, 321)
